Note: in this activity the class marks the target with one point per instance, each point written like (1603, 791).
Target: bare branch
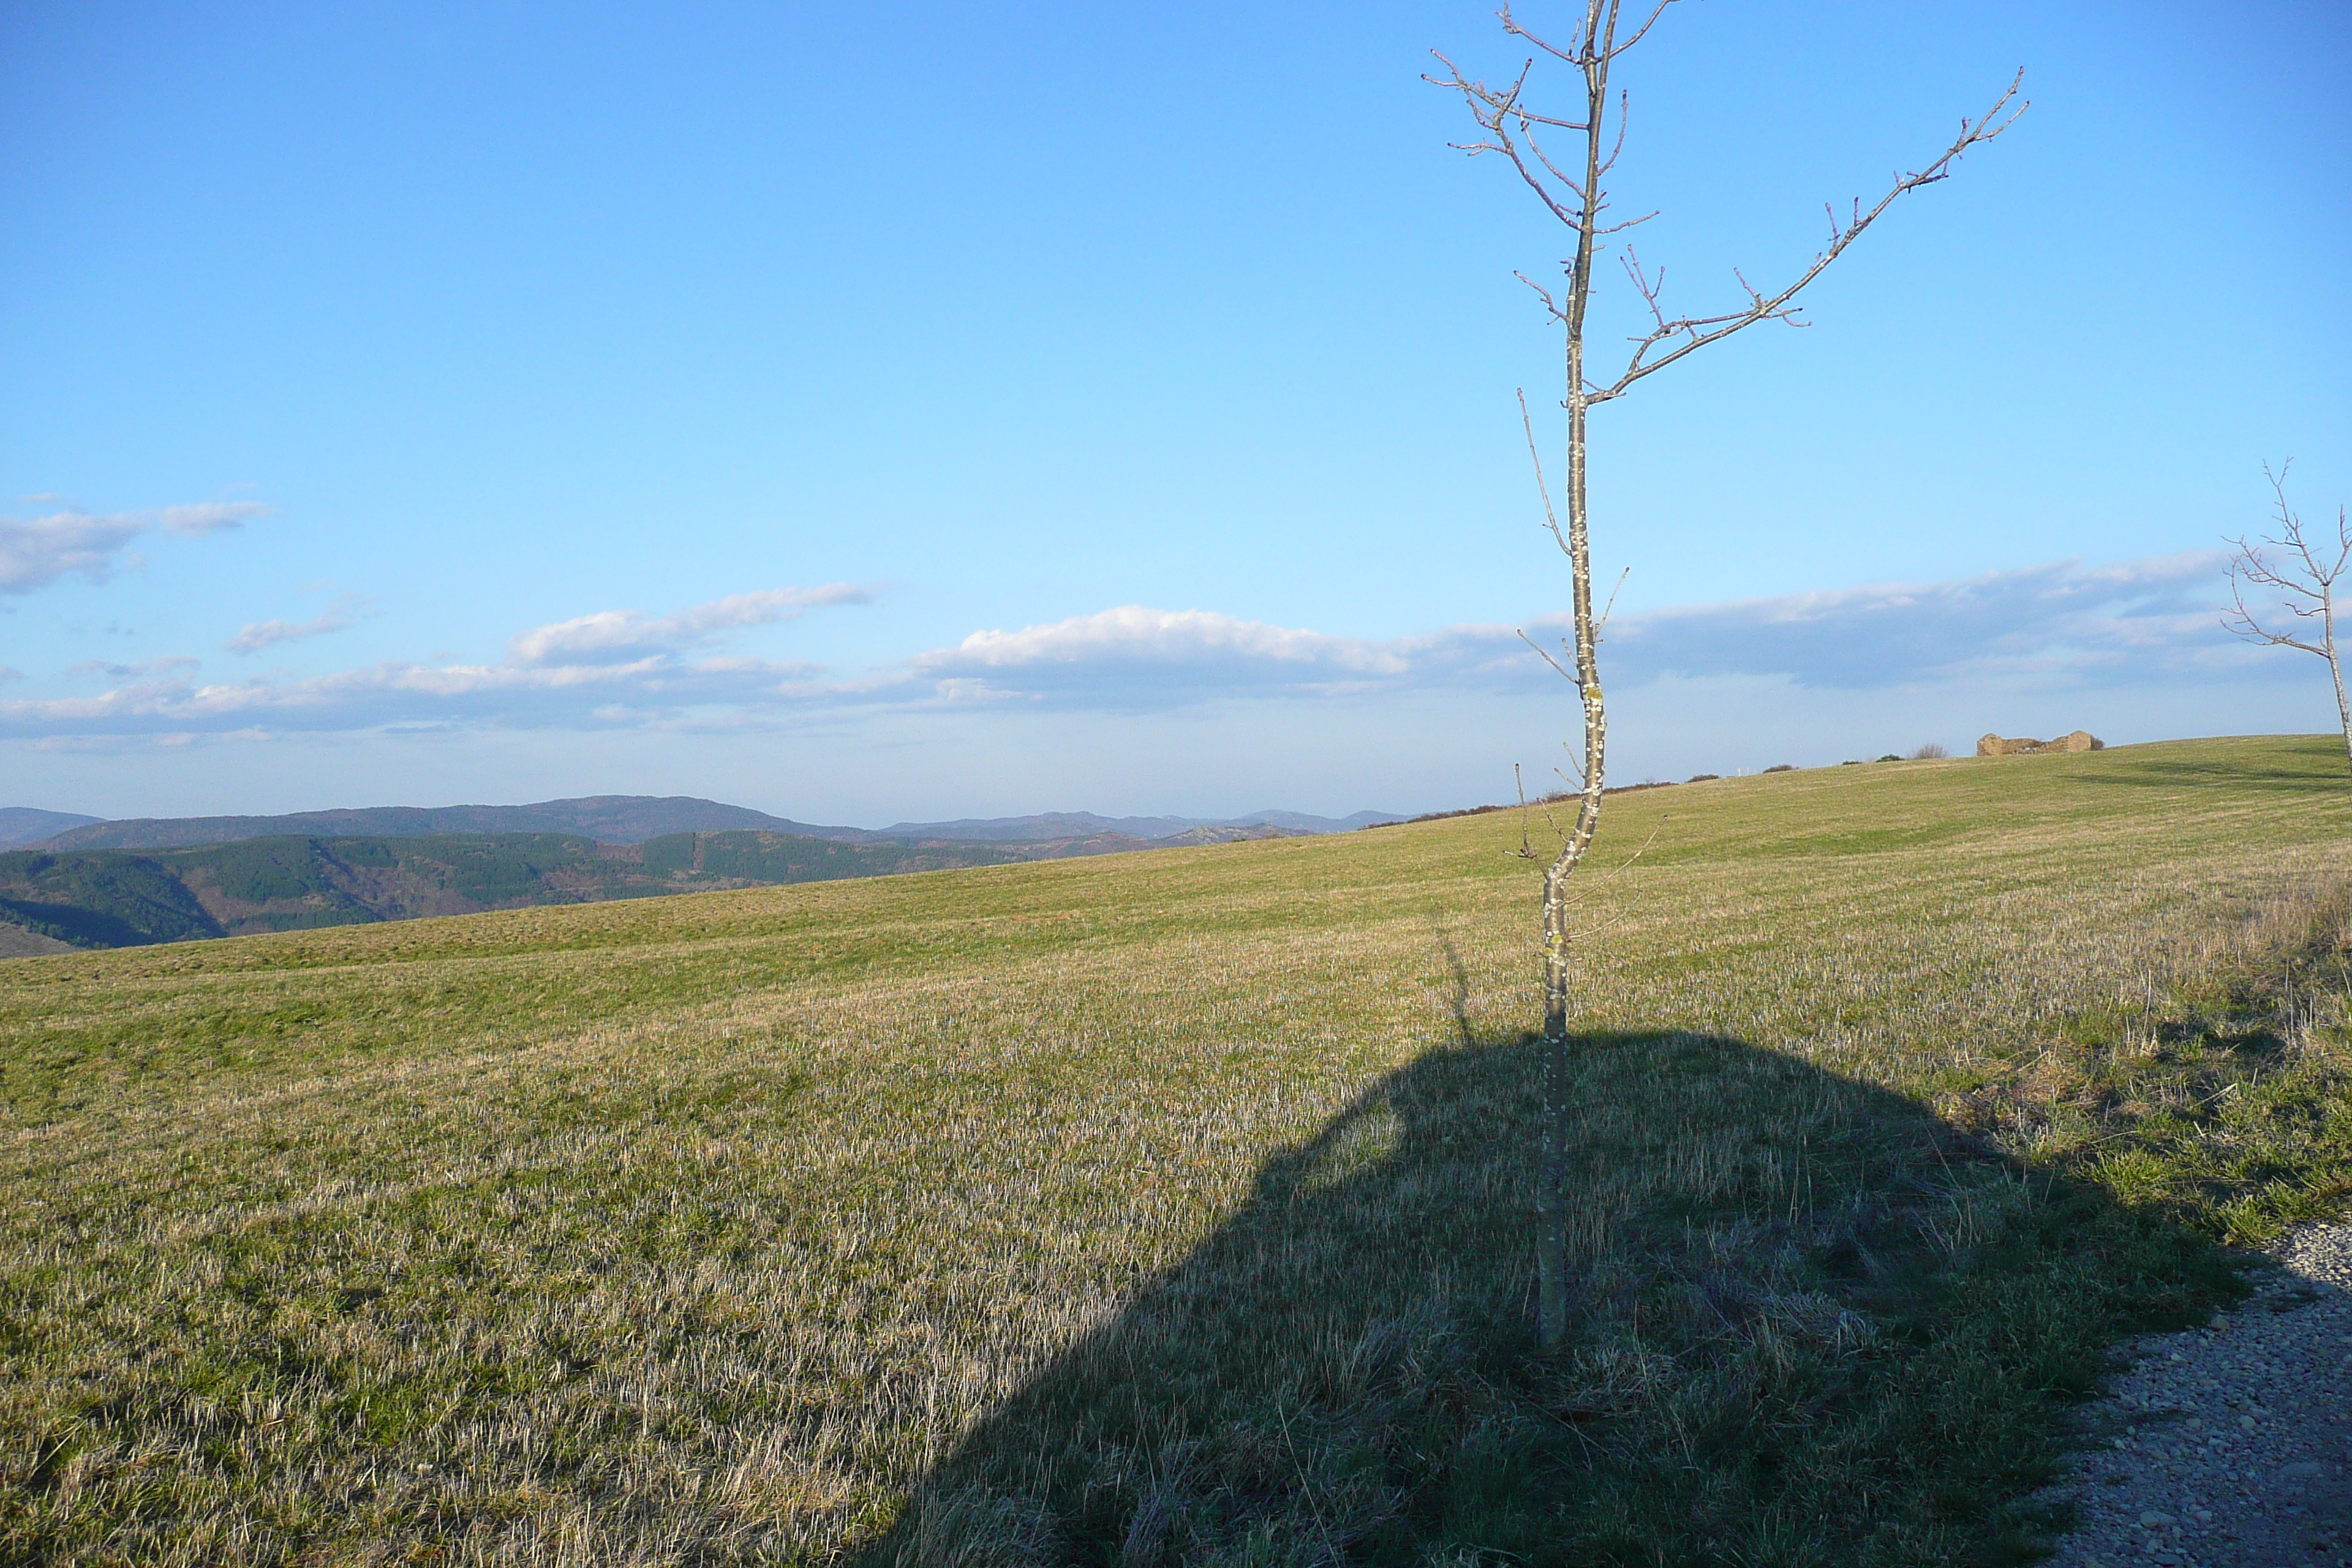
(1527, 849)
(1550, 304)
(1627, 863)
(1494, 110)
(1580, 59)
(1620, 869)
(1574, 186)
(2241, 620)
(1526, 116)
(1610, 607)
(2303, 584)
(1548, 659)
(1624, 119)
(1551, 518)
(2292, 535)
(1629, 223)
(1696, 333)
(1643, 31)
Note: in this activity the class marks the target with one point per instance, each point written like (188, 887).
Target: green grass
(1174, 1207)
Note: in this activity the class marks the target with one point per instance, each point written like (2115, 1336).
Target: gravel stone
(2165, 1475)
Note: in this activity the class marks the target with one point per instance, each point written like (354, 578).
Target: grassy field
(1173, 1208)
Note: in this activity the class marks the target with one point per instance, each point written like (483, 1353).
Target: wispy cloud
(2054, 628)
(623, 669)
(259, 635)
(2060, 622)
(394, 692)
(38, 551)
(617, 636)
(208, 517)
(148, 667)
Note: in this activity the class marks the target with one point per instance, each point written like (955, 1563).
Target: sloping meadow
(1175, 1207)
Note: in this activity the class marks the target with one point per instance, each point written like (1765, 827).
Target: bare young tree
(1569, 184)
(2300, 580)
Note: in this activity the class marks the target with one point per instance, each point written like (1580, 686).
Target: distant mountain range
(53, 899)
(25, 825)
(629, 820)
(92, 883)
(606, 818)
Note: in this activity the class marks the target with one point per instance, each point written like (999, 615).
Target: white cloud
(1133, 631)
(394, 692)
(1134, 656)
(618, 635)
(597, 686)
(259, 635)
(2054, 623)
(2057, 622)
(38, 551)
(2060, 628)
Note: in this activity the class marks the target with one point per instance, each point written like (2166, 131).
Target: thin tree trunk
(1551, 1249)
(1512, 130)
(2343, 709)
(1551, 1169)
(2327, 648)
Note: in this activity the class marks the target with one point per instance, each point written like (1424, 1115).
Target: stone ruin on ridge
(2080, 740)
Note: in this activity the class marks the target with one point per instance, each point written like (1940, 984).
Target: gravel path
(2231, 1447)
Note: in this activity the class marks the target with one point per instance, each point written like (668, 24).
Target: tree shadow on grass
(1813, 1324)
(2313, 766)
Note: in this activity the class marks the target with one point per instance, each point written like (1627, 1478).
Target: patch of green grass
(2223, 1103)
(1176, 1208)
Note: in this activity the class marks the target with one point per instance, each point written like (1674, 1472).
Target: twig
(1527, 851)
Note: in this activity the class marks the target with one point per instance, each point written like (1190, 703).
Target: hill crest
(30, 825)
(624, 819)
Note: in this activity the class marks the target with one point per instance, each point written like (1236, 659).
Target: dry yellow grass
(1174, 1207)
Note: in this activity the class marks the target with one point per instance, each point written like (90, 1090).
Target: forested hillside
(609, 818)
(115, 897)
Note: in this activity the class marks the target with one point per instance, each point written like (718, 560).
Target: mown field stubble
(1174, 1208)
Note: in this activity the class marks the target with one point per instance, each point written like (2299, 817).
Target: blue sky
(867, 414)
